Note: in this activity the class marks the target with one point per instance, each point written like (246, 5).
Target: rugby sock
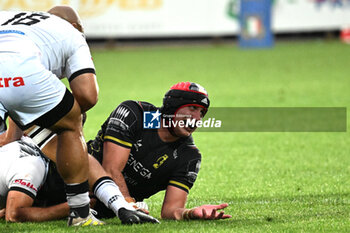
(108, 192)
(78, 198)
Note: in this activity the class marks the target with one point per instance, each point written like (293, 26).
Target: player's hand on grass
(140, 206)
(2, 213)
(207, 212)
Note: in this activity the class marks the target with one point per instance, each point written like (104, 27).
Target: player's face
(187, 113)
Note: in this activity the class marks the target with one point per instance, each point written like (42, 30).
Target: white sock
(108, 192)
(78, 198)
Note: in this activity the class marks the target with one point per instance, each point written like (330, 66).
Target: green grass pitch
(273, 182)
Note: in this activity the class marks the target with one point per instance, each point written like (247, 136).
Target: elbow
(163, 215)
(91, 101)
(168, 215)
(87, 102)
(113, 171)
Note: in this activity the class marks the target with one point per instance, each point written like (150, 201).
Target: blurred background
(144, 20)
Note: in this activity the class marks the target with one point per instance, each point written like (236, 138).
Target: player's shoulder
(139, 105)
(129, 113)
(135, 107)
(189, 148)
(63, 28)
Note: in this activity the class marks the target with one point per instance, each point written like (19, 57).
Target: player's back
(55, 38)
(21, 159)
(9, 153)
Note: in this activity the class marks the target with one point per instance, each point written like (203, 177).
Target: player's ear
(78, 27)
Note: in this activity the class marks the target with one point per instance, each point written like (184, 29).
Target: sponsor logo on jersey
(138, 167)
(11, 82)
(118, 120)
(151, 120)
(115, 123)
(160, 161)
(122, 113)
(175, 154)
(193, 169)
(11, 31)
(27, 184)
(138, 144)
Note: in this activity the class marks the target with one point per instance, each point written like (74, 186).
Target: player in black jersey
(145, 161)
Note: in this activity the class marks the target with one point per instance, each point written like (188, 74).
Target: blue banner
(255, 24)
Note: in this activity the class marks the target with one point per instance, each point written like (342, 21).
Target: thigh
(27, 89)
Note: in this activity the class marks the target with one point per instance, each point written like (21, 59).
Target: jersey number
(26, 19)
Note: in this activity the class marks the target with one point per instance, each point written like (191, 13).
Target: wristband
(187, 214)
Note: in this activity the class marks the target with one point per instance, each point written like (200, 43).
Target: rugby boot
(75, 220)
(135, 217)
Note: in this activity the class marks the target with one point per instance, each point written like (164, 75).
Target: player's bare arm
(174, 203)
(19, 209)
(13, 133)
(174, 207)
(115, 158)
(85, 90)
(2, 213)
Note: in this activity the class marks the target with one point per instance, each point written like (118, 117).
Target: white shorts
(21, 169)
(27, 89)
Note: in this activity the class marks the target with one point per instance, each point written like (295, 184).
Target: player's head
(185, 101)
(69, 14)
(184, 94)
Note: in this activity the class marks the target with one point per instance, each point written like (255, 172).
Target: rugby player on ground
(145, 161)
(23, 171)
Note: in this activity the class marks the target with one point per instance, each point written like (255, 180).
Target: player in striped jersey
(32, 190)
(37, 49)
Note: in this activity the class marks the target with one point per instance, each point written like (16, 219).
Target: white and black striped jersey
(22, 168)
(63, 49)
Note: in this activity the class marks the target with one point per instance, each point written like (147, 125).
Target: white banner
(310, 15)
(178, 18)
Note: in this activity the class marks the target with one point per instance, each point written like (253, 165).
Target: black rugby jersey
(152, 164)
